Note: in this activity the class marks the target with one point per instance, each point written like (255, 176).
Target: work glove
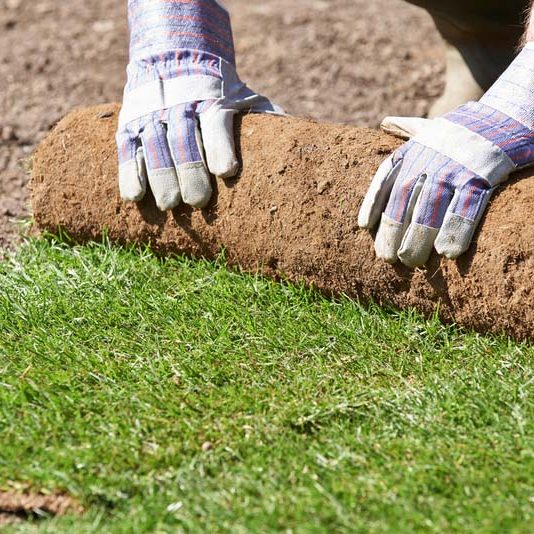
(182, 92)
(433, 190)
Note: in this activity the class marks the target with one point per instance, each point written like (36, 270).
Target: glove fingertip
(195, 184)
(132, 187)
(417, 244)
(366, 218)
(388, 239)
(226, 167)
(165, 188)
(218, 140)
(455, 236)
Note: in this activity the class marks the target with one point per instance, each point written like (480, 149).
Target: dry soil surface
(350, 61)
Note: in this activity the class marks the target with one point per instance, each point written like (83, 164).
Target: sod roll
(292, 212)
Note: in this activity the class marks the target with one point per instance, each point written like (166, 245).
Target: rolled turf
(292, 212)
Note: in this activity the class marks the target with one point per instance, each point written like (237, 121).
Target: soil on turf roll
(293, 212)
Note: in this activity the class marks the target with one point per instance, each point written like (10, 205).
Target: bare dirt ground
(350, 61)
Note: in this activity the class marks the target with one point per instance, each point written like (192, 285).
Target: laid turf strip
(172, 394)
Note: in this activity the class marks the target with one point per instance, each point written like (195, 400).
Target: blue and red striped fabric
(172, 64)
(504, 117)
(448, 185)
(170, 39)
(159, 26)
(512, 137)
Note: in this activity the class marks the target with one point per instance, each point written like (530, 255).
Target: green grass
(324, 415)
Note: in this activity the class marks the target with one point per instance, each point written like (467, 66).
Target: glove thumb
(404, 127)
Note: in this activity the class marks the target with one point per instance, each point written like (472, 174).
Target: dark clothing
(486, 32)
(491, 16)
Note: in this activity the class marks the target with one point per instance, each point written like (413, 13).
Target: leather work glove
(182, 92)
(432, 191)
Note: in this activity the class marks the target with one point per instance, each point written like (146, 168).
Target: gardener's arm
(432, 192)
(176, 122)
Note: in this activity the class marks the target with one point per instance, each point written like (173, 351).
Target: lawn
(178, 395)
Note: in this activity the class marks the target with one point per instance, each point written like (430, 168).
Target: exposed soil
(350, 61)
(293, 212)
(17, 507)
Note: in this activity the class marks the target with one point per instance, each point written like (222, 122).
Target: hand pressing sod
(432, 192)
(182, 92)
